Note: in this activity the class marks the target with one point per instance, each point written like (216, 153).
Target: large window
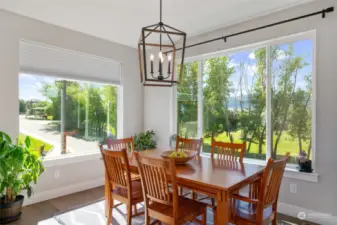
(66, 116)
(260, 95)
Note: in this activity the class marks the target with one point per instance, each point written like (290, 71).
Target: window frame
(92, 155)
(308, 35)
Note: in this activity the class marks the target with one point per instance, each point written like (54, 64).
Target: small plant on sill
(145, 140)
(304, 163)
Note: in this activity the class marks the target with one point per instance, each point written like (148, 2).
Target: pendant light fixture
(157, 54)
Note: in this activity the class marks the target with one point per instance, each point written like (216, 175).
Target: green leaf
(5, 137)
(27, 142)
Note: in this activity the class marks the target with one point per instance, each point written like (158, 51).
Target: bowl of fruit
(179, 157)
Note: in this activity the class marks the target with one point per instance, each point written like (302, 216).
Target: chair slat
(119, 144)
(228, 151)
(188, 145)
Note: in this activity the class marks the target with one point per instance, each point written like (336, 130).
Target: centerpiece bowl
(187, 156)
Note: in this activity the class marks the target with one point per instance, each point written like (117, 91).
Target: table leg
(222, 208)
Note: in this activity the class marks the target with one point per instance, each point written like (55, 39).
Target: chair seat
(247, 211)
(188, 209)
(137, 194)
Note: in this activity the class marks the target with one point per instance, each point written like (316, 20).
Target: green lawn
(35, 143)
(286, 144)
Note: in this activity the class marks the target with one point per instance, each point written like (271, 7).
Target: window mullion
(269, 132)
(200, 99)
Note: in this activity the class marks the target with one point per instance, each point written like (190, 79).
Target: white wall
(321, 196)
(13, 27)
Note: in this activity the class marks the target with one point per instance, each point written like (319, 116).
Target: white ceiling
(121, 20)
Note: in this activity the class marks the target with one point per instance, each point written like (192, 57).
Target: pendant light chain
(161, 22)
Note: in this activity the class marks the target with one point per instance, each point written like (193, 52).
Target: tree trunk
(261, 137)
(250, 141)
(274, 153)
(299, 142)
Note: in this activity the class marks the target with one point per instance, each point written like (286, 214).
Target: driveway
(46, 131)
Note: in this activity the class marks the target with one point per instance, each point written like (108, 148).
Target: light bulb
(169, 58)
(162, 59)
(151, 57)
(160, 55)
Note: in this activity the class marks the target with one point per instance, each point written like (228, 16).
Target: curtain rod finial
(330, 9)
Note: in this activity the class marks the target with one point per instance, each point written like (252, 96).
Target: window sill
(71, 158)
(290, 171)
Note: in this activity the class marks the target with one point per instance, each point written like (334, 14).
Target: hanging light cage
(157, 54)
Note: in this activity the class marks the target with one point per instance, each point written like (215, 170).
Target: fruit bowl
(180, 158)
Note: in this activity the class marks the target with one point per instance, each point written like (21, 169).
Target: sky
(301, 48)
(30, 86)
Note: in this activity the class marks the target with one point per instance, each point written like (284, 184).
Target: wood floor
(33, 214)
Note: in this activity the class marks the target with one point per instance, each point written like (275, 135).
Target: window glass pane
(66, 116)
(292, 98)
(234, 92)
(187, 101)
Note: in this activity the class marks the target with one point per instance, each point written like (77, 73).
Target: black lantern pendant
(158, 43)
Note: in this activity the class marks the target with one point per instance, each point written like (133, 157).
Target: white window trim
(291, 171)
(92, 155)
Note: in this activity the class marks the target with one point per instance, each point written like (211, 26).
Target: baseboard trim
(308, 215)
(62, 191)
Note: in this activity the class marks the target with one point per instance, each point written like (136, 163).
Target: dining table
(215, 178)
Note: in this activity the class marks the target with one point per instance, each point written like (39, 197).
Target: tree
(285, 76)
(22, 106)
(188, 99)
(217, 117)
(76, 103)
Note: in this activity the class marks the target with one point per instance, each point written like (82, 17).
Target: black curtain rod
(224, 38)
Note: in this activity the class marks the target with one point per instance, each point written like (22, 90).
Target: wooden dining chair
(227, 150)
(121, 187)
(119, 144)
(161, 203)
(188, 145)
(124, 143)
(263, 209)
(225, 154)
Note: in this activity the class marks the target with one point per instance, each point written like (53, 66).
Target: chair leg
(204, 219)
(147, 219)
(214, 216)
(129, 214)
(135, 209)
(274, 221)
(213, 202)
(109, 216)
(194, 195)
(180, 191)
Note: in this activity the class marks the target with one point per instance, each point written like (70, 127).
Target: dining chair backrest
(227, 150)
(155, 175)
(188, 145)
(117, 168)
(271, 182)
(119, 144)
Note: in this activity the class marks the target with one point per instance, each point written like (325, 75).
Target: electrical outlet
(293, 188)
(57, 174)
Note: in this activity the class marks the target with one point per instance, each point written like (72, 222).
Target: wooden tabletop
(217, 174)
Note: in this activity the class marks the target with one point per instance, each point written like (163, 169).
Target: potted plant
(19, 167)
(145, 140)
(305, 164)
